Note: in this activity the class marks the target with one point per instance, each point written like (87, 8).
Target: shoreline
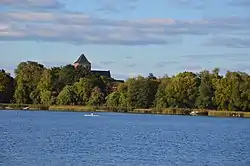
(165, 111)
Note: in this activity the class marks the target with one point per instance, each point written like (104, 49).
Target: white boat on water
(194, 113)
(91, 114)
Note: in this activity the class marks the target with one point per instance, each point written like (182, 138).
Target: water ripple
(58, 139)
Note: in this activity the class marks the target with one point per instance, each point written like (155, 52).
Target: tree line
(35, 84)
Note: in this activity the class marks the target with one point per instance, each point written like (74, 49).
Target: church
(83, 61)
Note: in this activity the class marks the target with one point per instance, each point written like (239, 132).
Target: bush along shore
(166, 111)
(67, 88)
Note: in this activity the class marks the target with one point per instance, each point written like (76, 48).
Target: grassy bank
(229, 114)
(77, 108)
(166, 111)
(74, 108)
(21, 106)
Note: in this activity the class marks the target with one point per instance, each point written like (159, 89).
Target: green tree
(81, 72)
(3, 80)
(83, 90)
(161, 95)
(107, 85)
(7, 87)
(245, 92)
(56, 85)
(153, 88)
(85, 87)
(46, 97)
(112, 100)
(97, 97)
(28, 75)
(122, 89)
(67, 96)
(68, 75)
(141, 92)
(206, 91)
(35, 97)
(183, 90)
(221, 96)
(136, 96)
(45, 87)
(21, 94)
(232, 92)
(68, 85)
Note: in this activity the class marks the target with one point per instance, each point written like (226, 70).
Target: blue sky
(128, 37)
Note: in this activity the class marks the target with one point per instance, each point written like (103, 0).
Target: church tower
(83, 61)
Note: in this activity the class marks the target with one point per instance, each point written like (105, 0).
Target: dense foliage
(7, 87)
(35, 84)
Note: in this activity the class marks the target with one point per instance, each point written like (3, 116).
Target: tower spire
(83, 61)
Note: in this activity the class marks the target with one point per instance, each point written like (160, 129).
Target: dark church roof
(82, 60)
(102, 73)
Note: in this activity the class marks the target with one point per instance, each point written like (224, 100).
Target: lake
(69, 138)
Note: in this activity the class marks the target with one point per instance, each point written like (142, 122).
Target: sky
(127, 37)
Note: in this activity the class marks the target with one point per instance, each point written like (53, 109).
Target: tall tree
(85, 86)
(28, 75)
(245, 92)
(183, 90)
(45, 87)
(7, 87)
(141, 92)
(112, 100)
(97, 97)
(206, 91)
(67, 96)
(161, 95)
(122, 89)
(118, 98)
(232, 92)
(68, 75)
(3, 80)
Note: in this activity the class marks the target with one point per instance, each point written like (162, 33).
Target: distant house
(83, 61)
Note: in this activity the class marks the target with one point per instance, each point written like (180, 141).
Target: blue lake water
(66, 138)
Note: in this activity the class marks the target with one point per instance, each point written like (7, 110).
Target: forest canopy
(35, 84)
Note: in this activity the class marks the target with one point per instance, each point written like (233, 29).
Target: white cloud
(116, 6)
(80, 28)
(201, 4)
(229, 41)
(46, 4)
